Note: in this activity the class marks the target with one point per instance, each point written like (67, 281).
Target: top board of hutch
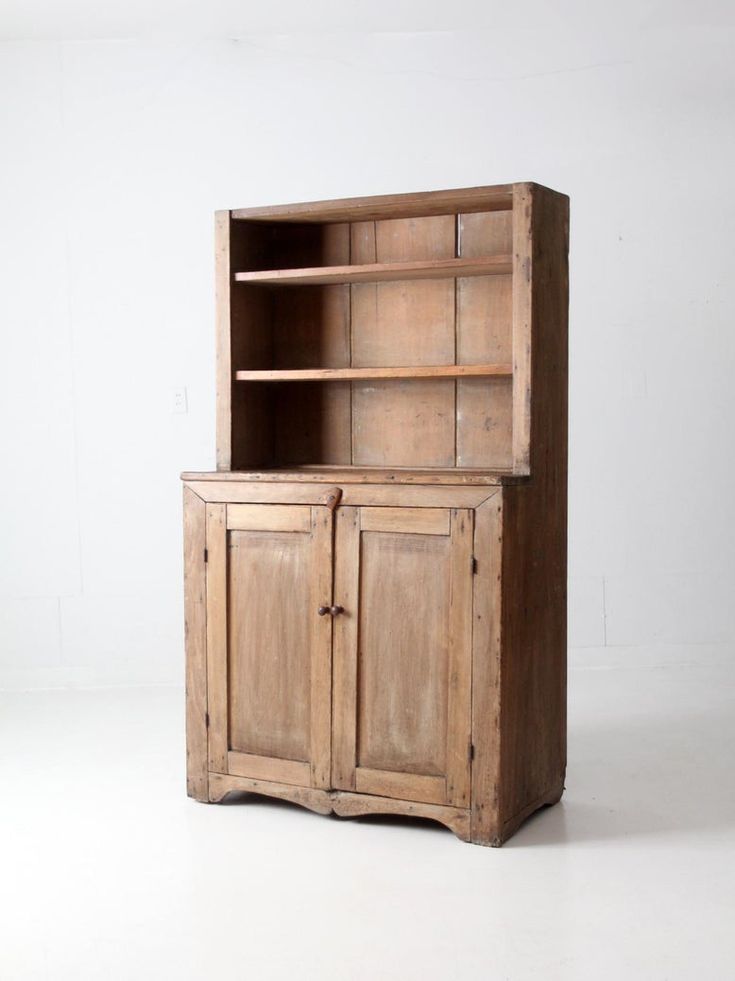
(404, 332)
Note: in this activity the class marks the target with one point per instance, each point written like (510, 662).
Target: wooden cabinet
(376, 574)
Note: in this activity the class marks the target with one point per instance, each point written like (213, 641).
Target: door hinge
(474, 566)
(472, 752)
(206, 720)
(206, 555)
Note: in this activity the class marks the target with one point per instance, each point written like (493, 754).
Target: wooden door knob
(323, 610)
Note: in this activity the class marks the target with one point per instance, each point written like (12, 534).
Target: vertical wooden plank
(459, 714)
(217, 635)
(484, 335)
(403, 423)
(321, 647)
(195, 632)
(403, 323)
(522, 303)
(486, 636)
(222, 279)
(344, 635)
(533, 671)
(485, 423)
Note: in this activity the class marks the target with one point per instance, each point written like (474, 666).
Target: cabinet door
(269, 568)
(402, 653)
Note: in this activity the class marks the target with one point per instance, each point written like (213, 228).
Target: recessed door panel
(269, 652)
(402, 666)
(402, 653)
(269, 602)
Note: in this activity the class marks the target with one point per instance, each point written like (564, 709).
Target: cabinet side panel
(195, 630)
(534, 629)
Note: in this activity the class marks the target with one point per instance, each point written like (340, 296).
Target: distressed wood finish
(269, 657)
(376, 575)
(357, 374)
(378, 272)
(216, 524)
(403, 653)
(195, 632)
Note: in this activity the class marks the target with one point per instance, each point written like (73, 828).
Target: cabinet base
(346, 804)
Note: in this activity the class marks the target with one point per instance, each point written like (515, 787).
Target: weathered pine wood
(347, 804)
(195, 631)
(466, 199)
(222, 784)
(357, 374)
(343, 803)
(378, 272)
(408, 786)
(224, 367)
(363, 475)
(486, 648)
(534, 641)
(272, 602)
(459, 697)
(376, 575)
(321, 646)
(420, 521)
(523, 280)
(268, 768)
(373, 495)
(216, 524)
(268, 517)
(344, 645)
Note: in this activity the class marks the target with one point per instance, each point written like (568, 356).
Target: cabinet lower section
(377, 649)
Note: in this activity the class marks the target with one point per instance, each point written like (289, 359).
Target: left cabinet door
(269, 569)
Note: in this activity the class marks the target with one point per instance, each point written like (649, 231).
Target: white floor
(108, 871)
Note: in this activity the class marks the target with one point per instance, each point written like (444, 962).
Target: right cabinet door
(402, 653)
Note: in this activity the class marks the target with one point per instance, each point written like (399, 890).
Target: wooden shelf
(375, 272)
(358, 374)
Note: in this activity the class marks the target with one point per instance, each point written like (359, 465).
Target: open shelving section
(379, 332)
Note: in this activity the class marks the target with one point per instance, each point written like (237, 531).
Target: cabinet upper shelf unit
(376, 272)
(437, 320)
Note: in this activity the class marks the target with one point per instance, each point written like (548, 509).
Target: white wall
(116, 153)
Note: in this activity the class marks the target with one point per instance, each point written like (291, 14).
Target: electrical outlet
(179, 405)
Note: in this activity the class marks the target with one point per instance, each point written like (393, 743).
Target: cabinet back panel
(312, 423)
(269, 602)
(403, 423)
(311, 327)
(485, 422)
(403, 652)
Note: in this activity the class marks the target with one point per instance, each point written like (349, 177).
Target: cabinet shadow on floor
(630, 778)
(641, 777)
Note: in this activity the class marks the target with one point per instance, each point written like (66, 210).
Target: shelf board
(375, 272)
(347, 474)
(358, 374)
